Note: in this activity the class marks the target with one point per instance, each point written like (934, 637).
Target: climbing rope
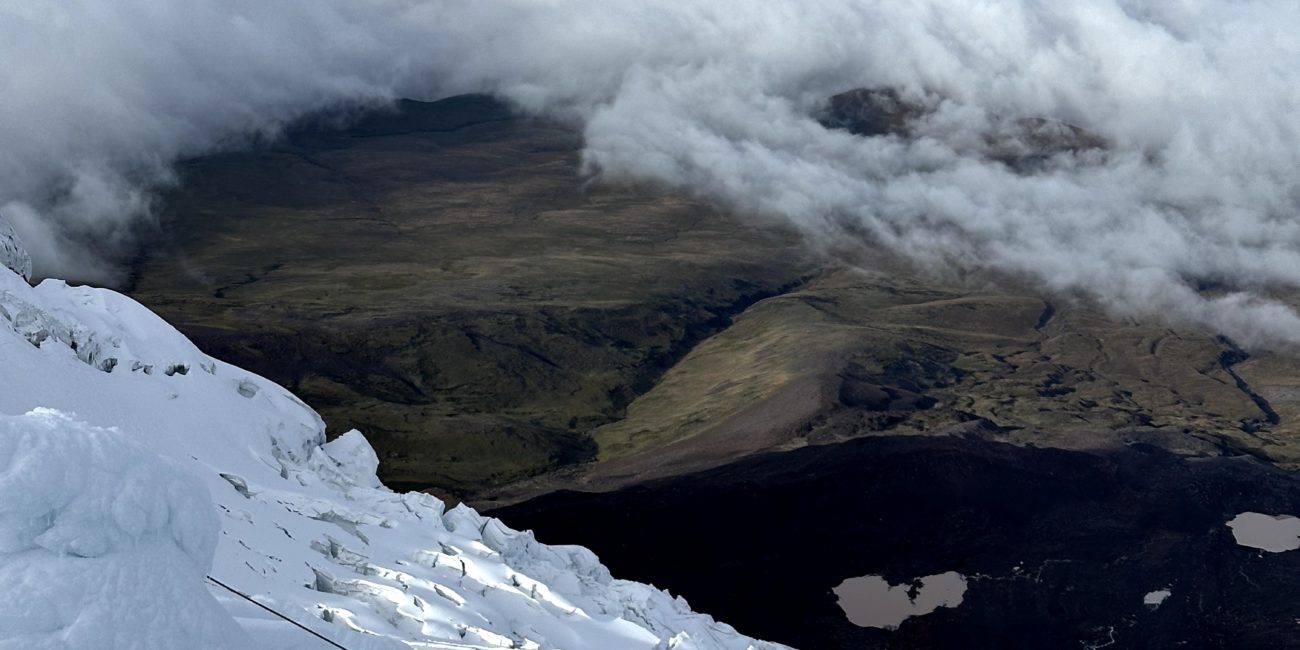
(295, 623)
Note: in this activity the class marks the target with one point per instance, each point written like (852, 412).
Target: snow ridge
(131, 463)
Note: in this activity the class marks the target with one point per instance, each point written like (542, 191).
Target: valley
(443, 277)
(578, 357)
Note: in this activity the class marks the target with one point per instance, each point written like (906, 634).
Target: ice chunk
(12, 253)
(355, 457)
(106, 542)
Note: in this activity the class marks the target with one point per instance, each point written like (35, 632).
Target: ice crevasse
(132, 466)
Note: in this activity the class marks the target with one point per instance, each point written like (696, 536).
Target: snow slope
(131, 464)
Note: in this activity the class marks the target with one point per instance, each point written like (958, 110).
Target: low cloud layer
(1190, 216)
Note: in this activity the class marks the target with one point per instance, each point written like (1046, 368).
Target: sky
(1188, 217)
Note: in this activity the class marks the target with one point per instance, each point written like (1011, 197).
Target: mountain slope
(442, 278)
(117, 432)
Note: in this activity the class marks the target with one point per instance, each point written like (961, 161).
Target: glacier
(132, 465)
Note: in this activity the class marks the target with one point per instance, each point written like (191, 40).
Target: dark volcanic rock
(871, 112)
(1059, 547)
(1024, 144)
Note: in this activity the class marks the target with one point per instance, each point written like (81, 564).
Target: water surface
(1274, 534)
(870, 601)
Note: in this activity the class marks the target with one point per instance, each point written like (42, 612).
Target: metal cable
(295, 623)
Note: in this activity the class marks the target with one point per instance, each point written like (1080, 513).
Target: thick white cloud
(1197, 98)
(98, 98)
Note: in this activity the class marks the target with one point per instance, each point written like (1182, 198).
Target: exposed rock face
(872, 112)
(1026, 143)
(12, 253)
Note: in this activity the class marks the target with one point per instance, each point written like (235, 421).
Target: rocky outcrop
(1022, 143)
(872, 112)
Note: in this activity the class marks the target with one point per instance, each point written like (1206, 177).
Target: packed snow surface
(131, 464)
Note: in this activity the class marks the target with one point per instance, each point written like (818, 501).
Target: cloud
(1196, 99)
(98, 99)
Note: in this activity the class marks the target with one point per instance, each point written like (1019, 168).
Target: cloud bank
(1196, 98)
